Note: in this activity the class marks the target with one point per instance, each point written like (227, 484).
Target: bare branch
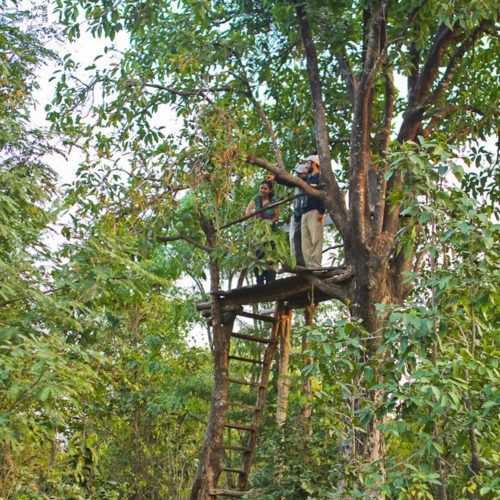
(453, 63)
(347, 74)
(430, 69)
(185, 93)
(289, 178)
(182, 236)
(376, 48)
(383, 144)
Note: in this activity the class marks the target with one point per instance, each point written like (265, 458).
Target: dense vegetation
(105, 390)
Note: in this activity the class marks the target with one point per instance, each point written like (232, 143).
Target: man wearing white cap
(295, 220)
(313, 218)
(311, 214)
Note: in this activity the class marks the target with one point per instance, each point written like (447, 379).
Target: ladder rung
(244, 405)
(261, 317)
(244, 382)
(253, 338)
(237, 471)
(227, 493)
(247, 360)
(241, 427)
(236, 448)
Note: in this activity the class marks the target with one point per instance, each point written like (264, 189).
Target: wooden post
(307, 381)
(283, 378)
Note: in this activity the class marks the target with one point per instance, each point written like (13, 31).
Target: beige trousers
(312, 238)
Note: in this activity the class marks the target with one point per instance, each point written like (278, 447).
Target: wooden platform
(296, 291)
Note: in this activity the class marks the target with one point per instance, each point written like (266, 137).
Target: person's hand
(269, 177)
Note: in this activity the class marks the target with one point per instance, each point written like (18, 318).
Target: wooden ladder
(250, 406)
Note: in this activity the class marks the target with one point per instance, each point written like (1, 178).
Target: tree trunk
(283, 377)
(307, 381)
(209, 464)
(209, 467)
(372, 287)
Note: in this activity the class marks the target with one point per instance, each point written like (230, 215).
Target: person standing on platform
(295, 220)
(259, 202)
(312, 215)
(313, 218)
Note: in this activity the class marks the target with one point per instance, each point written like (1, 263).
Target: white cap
(301, 169)
(313, 158)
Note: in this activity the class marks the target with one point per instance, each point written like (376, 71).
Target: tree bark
(209, 467)
(307, 381)
(283, 375)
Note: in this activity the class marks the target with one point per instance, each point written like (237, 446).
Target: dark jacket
(306, 202)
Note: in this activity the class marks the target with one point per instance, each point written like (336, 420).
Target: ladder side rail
(261, 398)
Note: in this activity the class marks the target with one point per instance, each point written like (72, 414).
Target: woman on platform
(259, 203)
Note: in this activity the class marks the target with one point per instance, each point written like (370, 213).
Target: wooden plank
(244, 405)
(236, 471)
(227, 493)
(260, 317)
(253, 338)
(245, 382)
(240, 427)
(293, 289)
(247, 360)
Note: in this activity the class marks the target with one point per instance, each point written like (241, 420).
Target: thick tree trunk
(209, 464)
(371, 287)
(209, 467)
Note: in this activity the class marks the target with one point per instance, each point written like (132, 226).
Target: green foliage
(136, 431)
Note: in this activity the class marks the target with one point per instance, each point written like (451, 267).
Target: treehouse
(238, 403)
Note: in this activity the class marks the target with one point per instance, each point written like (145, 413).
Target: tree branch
(184, 93)
(182, 236)
(347, 74)
(334, 200)
(383, 145)
(260, 110)
(374, 48)
(289, 178)
(430, 69)
(453, 63)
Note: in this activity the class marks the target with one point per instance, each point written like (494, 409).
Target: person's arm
(278, 180)
(250, 207)
(276, 215)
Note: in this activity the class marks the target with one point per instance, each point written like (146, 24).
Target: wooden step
(236, 448)
(253, 338)
(244, 405)
(260, 317)
(247, 360)
(245, 382)
(236, 471)
(241, 427)
(227, 493)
